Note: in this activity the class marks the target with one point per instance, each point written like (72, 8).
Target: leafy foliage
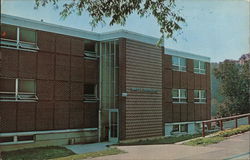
(234, 86)
(164, 11)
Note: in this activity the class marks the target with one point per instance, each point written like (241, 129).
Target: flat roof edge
(183, 54)
(53, 28)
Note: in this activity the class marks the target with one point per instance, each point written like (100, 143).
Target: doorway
(113, 125)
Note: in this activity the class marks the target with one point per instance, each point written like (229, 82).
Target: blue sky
(215, 28)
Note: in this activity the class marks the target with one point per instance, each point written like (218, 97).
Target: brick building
(60, 85)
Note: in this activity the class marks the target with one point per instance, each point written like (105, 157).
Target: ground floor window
(180, 128)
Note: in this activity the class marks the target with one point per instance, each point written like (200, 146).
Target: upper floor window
(19, 38)
(199, 67)
(17, 89)
(179, 64)
(179, 95)
(90, 92)
(199, 96)
(90, 50)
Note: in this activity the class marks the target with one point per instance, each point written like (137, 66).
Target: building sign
(144, 90)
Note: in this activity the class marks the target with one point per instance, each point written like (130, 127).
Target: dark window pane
(176, 128)
(89, 89)
(26, 86)
(196, 93)
(196, 64)
(175, 93)
(6, 139)
(202, 65)
(27, 35)
(184, 128)
(25, 138)
(9, 32)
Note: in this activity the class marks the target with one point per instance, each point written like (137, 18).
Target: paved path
(236, 147)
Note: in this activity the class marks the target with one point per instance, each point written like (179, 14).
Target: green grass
(40, 153)
(205, 141)
(55, 153)
(161, 140)
(110, 151)
(218, 137)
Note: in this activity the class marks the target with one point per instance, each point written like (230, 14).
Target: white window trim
(179, 65)
(200, 98)
(17, 94)
(199, 68)
(179, 97)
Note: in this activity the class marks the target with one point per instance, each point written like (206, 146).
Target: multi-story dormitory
(60, 85)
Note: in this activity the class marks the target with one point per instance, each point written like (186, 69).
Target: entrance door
(113, 125)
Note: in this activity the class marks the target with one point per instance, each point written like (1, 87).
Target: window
(16, 139)
(199, 96)
(179, 95)
(179, 64)
(184, 127)
(20, 38)
(90, 48)
(180, 128)
(17, 90)
(199, 67)
(90, 92)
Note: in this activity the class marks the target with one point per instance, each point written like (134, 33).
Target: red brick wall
(60, 72)
(186, 80)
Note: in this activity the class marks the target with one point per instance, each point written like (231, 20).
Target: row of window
(25, 89)
(180, 96)
(180, 64)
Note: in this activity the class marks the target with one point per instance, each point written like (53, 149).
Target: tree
(164, 11)
(234, 87)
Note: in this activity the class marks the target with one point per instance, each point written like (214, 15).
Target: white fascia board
(48, 27)
(183, 54)
(129, 35)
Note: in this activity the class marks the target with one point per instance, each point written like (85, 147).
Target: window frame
(17, 43)
(200, 98)
(19, 96)
(179, 66)
(200, 70)
(179, 96)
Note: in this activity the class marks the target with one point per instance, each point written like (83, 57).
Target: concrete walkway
(236, 147)
(85, 148)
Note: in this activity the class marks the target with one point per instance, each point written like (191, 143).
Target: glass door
(113, 125)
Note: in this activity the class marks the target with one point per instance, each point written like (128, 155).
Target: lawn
(40, 153)
(54, 153)
(218, 137)
(161, 140)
